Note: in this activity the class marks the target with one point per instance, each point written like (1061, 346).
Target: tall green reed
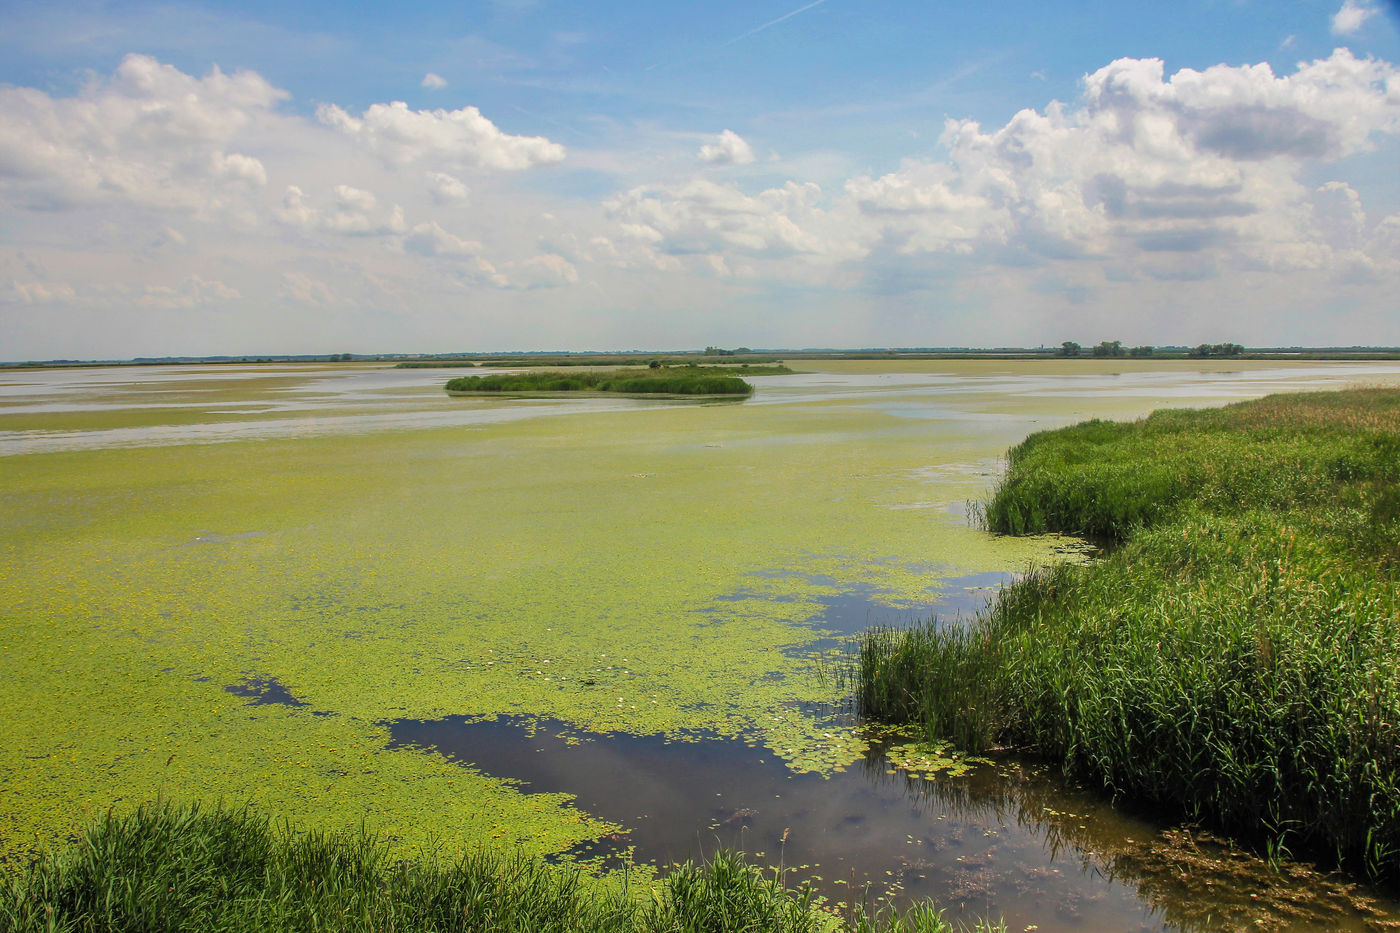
(1236, 661)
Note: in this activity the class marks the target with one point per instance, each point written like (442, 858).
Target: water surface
(243, 582)
(1010, 840)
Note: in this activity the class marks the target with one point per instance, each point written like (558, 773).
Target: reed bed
(683, 381)
(1234, 661)
(184, 868)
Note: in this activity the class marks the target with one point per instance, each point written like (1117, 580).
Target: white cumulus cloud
(434, 82)
(1351, 17)
(447, 189)
(1178, 177)
(32, 293)
(547, 270)
(295, 210)
(429, 239)
(300, 288)
(349, 198)
(729, 148)
(701, 216)
(349, 211)
(193, 292)
(150, 135)
(442, 138)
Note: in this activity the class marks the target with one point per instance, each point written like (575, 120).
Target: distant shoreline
(526, 359)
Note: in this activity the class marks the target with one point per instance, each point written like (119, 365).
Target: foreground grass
(183, 868)
(687, 380)
(1236, 661)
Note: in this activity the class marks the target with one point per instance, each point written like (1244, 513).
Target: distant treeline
(1068, 349)
(1114, 348)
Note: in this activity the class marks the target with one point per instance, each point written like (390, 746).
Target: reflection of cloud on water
(1009, 840)
(1190, 881)
(847, 831)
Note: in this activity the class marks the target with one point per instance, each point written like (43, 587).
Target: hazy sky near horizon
(216, 177)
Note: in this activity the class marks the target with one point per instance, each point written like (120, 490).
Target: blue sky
(260, 177)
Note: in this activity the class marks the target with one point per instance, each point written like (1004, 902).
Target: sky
(199, 178)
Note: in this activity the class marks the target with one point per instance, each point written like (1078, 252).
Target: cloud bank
(1149, 177)
(148, 135)
(1137, 210)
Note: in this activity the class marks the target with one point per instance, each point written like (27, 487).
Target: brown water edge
(1009, 840)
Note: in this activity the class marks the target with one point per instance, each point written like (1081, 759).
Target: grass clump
(182, 868)
(1234, 661)
(686, 380)
(177, 868)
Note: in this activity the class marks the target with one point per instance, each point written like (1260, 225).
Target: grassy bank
(684, 381)
(1235, 660)
(169, 868)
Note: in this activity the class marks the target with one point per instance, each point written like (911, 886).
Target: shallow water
(843, 611)
(269, 401)
(242, 582)
(1010, 840)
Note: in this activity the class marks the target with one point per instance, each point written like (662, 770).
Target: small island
(687, 381)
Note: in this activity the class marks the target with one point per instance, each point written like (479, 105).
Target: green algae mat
(172, 542)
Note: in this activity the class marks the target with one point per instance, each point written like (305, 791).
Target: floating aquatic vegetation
(929, 760)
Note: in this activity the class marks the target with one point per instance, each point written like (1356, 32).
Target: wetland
(588, 629)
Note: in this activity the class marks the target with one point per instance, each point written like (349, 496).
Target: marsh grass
(689, 380)
(173, 868)
(1331, 456)
(1233, 662)
(937, 677)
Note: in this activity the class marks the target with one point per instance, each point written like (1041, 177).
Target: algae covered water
(338, 594)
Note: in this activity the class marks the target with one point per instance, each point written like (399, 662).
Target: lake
(592, 628)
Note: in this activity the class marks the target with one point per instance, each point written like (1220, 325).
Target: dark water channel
(259, 690)
(852, 609)
(1010, 840)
